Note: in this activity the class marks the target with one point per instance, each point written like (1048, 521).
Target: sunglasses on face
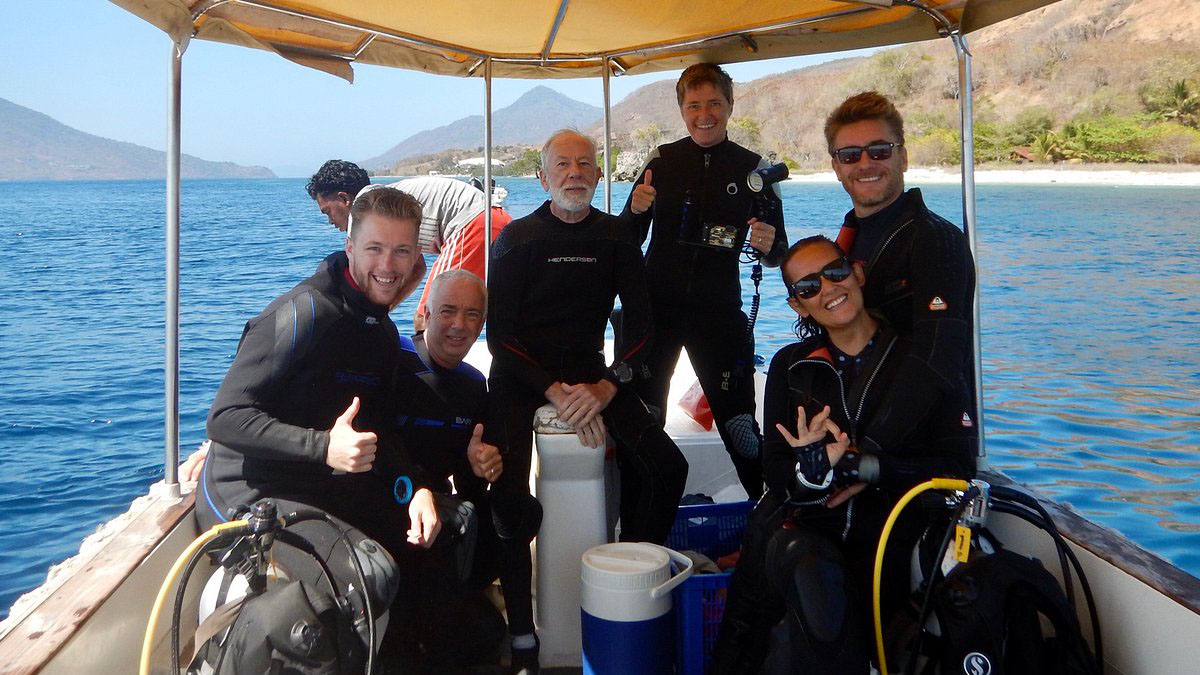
(878, 151)
(810, 284)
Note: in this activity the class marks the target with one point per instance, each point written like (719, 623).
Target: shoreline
(1087, 174)
(1093, 175)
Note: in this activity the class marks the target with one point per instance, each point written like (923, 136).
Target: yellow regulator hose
(935, 484)
(169, 582)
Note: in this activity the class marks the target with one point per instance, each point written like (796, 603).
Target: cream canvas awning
(556, 39)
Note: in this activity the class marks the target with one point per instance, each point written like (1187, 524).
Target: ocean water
(1091, 341)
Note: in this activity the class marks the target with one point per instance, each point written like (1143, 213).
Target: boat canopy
(564, 39)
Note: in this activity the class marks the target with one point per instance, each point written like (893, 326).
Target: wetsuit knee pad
(459, 530)
(810, 573)
(744, 436)
(516, 517)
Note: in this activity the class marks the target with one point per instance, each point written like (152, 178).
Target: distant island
(34, 146)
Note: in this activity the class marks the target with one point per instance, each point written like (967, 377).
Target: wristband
(812, 465)
(848, 470)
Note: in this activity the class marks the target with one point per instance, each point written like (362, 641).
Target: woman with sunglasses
(810, 542)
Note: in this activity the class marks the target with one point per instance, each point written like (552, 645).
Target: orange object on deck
(695, 404)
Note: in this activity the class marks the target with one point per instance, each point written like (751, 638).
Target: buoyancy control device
(327, 630)
(981, 609)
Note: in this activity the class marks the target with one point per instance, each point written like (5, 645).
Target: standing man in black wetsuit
(304, 410)
(554, 276)
(920, 274)
(697, 295)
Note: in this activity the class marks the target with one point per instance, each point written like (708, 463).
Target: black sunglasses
(878, 151)
(810, 284)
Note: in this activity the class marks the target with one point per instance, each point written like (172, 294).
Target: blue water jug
(628, 626)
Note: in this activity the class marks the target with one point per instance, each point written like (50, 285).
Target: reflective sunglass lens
(837, 275)
(880, 151)
(849, 155)
(807, 287)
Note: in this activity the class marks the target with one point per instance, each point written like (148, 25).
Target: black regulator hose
(366, 595)
(300, 515)
(1048, 526)
(1017, 497)
(221, 535)
(177, 611)
(931, 580)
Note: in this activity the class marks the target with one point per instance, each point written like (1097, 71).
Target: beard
(870, 195)
(572, 201)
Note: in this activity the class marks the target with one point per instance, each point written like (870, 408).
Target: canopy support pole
(965, 94)
(607, 138)
(171, 366)
(487, 169)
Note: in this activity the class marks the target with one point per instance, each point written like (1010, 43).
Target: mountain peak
(540, 94)
(527, 121)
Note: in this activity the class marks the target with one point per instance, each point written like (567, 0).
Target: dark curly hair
(336, 176)
(804, 327)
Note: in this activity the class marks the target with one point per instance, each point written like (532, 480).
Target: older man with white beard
(554, 276)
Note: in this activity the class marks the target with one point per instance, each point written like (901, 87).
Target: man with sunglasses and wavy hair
(919, 271)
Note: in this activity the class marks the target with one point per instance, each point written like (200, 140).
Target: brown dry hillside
(1071, 61)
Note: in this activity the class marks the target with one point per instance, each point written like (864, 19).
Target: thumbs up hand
(350, 450)
(484, 457)
(643, 195)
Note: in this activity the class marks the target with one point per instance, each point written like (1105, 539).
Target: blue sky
(95, 67)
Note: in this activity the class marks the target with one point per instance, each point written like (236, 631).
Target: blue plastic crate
(714, 530)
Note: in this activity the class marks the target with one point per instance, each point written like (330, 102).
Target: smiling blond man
(305, 411)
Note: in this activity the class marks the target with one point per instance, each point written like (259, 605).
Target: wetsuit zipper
(853, 432)
(703, 211)
(857, 412)
(841, 391)
(866, 388)
(879, 251)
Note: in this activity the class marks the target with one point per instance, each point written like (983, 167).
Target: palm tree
(1047, 146)
(1076, 141)
(1177, 103)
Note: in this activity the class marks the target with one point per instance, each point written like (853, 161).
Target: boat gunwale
(1114, 548)
(41, 633)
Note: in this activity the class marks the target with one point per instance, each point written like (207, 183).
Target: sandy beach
(1038, 176)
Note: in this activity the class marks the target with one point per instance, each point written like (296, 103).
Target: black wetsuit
(298, 366)
(938, 444)
(437, 410)
(551, 292)
(921, 277)
(696, 292)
